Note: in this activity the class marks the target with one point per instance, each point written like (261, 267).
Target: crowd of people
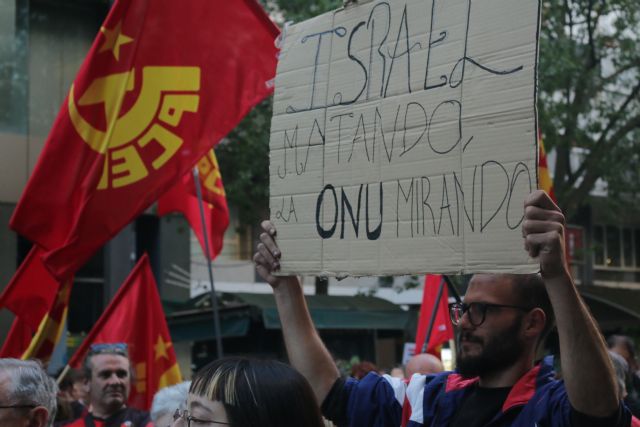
(502, 377)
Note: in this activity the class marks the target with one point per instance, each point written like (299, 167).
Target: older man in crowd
(168, 402)
(27, 394)
(108, 371)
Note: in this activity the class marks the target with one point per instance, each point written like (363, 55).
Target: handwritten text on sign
(403, 138)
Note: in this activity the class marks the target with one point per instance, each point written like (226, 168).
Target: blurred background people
(423, 363)
(625, 347)
(397, 371)
(622, 376)
(360, 370)
(72, 396)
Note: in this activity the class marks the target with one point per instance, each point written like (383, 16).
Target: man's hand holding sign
(393, 153)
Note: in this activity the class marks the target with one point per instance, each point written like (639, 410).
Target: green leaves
(589, 69)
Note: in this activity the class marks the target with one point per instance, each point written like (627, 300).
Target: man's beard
(498, 352)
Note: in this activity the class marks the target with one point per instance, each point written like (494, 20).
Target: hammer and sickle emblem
(166, 93)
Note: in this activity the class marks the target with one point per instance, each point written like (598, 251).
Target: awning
(612, 307)
(192, 320)
(336, 312)
(199, 326)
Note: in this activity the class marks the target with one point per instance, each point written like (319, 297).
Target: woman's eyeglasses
(184, 419)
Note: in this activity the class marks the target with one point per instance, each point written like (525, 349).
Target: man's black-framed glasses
(184, 419)
(477, 311)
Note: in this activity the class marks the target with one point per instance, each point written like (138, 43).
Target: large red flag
(163, 82)
(181, 198)
(442, 329)
(135, 317)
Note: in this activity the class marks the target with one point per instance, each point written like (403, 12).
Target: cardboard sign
(403, 138)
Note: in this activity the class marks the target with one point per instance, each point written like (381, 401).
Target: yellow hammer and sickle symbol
(154, 103)
(210, 172)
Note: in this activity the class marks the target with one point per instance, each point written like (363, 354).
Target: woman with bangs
(242, 392)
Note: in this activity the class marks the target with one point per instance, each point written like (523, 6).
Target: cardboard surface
(403, 138)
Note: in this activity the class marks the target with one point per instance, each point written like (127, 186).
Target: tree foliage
(244, 164)
(590, 95)
(299, 10)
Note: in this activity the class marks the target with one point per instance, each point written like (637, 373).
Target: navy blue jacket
(536, 400)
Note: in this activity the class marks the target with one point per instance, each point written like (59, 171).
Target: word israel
(379, 51)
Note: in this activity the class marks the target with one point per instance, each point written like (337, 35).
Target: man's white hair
(30, 385)
(168, 399)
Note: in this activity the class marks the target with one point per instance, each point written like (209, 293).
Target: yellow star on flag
(161, 347)
(114, 39)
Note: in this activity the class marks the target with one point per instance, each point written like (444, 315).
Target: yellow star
(113, 40)
(161, 348)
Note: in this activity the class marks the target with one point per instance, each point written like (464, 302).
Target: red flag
(51, 327)
(31, 292)
(442, 328)
(135, 317)
(163, 82)
(180, 198)
(17, 340)
(210, 181)
(40, 304)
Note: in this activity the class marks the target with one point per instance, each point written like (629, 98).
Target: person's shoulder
(78, 422)
(138, 417)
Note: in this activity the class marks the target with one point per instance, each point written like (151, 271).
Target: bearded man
(501, 325)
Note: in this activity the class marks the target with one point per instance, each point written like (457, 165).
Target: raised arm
(586, 368)
(306, 350)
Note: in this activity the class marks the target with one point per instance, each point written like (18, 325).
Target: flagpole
(63, 374)
(214, 299)
(433, 315)
(452, 289)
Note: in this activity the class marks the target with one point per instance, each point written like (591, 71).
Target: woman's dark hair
(254, 392)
